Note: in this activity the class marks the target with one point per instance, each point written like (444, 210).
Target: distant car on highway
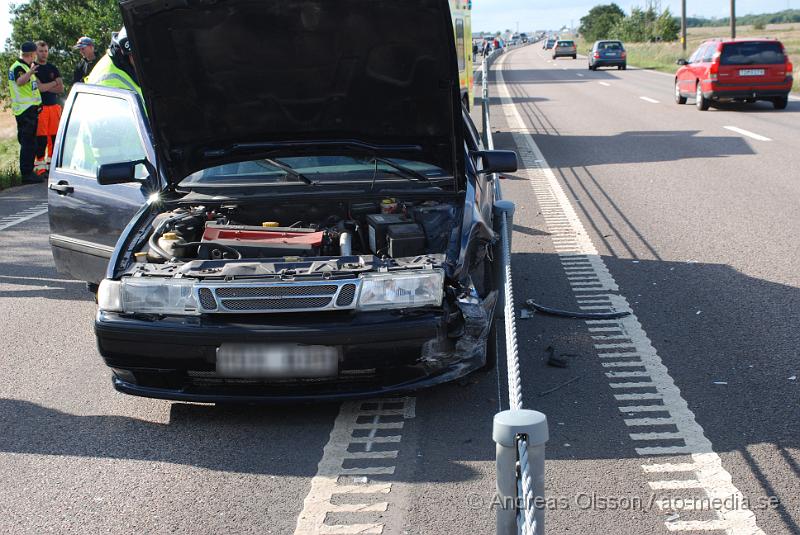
(548, 44)
(608, 54)
(740, 70)
(565, 49)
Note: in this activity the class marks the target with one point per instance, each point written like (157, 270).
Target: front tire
(679, 99)
(700, 101)
(780, 103)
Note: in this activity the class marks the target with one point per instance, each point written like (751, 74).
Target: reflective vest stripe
(25, 96)
(114, 76)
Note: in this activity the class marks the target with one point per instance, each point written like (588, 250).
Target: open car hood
(232, 80)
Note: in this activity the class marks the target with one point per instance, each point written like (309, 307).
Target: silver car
(565, 48)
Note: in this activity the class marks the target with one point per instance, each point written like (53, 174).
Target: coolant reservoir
(172, 243)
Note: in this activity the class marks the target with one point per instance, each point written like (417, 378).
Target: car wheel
(574, 57)
(780, 103)
(625, 67)
(750, 100)
(619, 67)
(700, 101)
(680, 99)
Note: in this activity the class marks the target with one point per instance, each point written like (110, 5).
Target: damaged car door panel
(328, 236)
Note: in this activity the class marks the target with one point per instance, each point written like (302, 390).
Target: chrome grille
(207, 300)
(274, 297)
(267, 305)
(276, 291)
(346, 295)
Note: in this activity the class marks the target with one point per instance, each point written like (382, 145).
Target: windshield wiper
(288, 170)
(403, 171)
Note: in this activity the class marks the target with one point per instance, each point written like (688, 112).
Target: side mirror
(498, 161)
(121, 173)
(682, 62)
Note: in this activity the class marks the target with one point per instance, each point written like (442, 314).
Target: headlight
(109, 295)
(401, 290)
(148, 296)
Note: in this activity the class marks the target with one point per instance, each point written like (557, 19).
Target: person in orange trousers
(51, 85)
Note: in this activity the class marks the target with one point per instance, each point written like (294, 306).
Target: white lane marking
(650, 100)
(605, 84)
(746, 133)
(735, 518)
(326, 483)
(25, 215)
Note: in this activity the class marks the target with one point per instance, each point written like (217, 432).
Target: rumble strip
(365, 434)
(646, 393)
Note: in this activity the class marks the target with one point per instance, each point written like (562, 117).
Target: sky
(493, 15)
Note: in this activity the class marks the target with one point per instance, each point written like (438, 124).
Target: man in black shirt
(85, 46)
(50, 85)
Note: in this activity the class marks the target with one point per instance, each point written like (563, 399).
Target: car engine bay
(337, 234)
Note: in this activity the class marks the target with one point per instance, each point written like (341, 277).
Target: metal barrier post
(508, 426)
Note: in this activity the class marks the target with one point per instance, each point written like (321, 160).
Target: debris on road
(793, 378)
(720, 382)
(575, 315)
(673, 517)
(525, 314)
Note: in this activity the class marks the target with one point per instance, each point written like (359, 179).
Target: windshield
(565, 43)
(312, 170)
(609, 46)
(753, 53)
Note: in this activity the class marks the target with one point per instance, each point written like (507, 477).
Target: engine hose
(576, 315)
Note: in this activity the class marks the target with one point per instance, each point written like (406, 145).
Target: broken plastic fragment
(720, 382)
(673, 517)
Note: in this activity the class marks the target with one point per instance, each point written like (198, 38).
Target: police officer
(25, 103)
(115, 69)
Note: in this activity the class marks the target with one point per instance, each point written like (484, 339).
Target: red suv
(735, 70)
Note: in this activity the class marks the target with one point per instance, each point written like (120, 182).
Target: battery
(405, 240)
(377, 224)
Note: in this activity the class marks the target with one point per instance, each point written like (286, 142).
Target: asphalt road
(695, 223)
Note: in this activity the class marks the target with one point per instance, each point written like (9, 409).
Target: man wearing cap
(25, 102)
(85, 47)
(50, 86)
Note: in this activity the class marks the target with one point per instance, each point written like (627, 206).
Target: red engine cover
(266, 236)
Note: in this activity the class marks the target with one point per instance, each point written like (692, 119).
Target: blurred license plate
(611, 54)
(277, 361)
(751, 72)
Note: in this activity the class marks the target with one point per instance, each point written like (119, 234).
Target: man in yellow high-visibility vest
(26, 102)
(115, 69)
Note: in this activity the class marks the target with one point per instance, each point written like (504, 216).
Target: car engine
(390, 228)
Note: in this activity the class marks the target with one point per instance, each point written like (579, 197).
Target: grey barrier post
(508, 425)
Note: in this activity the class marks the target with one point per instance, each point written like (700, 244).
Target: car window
(694, 58)
(566, 43)
(708, 53)
(610, 46)
(101, 130)
(460, 44)
(473, 136)
(754, 53)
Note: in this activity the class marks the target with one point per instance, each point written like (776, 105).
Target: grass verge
(9, 163)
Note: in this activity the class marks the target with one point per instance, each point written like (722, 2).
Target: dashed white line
(333, 478)
(650, 100)
(605, 84)
(709, 475)
(747, 133)
(21, 217)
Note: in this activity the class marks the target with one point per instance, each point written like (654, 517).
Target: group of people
(35, 86)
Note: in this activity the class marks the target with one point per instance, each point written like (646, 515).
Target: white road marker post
(508, 426)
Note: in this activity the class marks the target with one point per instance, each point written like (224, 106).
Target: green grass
(662, 56)
(9, 163)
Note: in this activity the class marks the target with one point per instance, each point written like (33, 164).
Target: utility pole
(733, 19)
(683, 26)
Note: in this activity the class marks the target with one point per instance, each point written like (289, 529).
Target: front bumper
(382, 352)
